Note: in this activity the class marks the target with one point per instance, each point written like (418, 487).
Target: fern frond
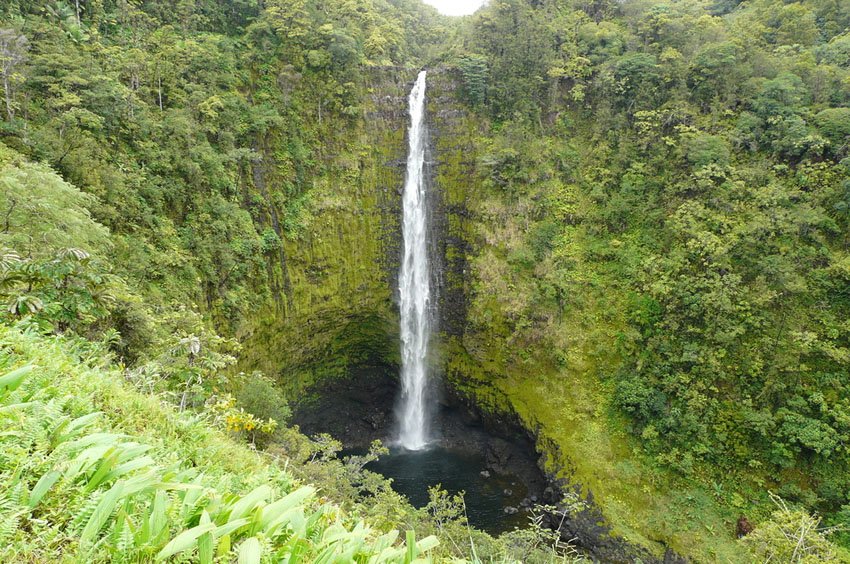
(11, 513)
(83, 513)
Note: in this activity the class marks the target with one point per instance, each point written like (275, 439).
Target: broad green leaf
(109, 460)
(10, 381)
(68, 429)
(410, 537)
(230, 527)
(250, 551)
(16, 406)
(274, 510)
(156, 522)
(129, 466)
(428, 543)
(250, 501)
(294, 517)
(184, 541)
(42, 487)
(205, 542)
(223, 546)
(109, 439)
(102, 512)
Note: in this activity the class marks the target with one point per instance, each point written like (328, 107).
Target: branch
(9, 215)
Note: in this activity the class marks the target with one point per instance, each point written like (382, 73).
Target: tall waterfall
(415, 283)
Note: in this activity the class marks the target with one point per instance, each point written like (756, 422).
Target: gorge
(596, 260)
(433, 441)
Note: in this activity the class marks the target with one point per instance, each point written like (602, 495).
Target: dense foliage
(679, 171)
(161, 113)
(78, 480)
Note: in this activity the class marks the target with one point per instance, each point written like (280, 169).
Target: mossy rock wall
(454, 134)
(512, 378)
(335, 303)
(336, 307)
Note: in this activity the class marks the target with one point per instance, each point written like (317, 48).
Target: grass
(93, 471)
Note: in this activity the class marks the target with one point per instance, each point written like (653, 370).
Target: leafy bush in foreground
(80, 481)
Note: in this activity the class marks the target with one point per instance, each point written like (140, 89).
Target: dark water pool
(359, 409)
(486, 498)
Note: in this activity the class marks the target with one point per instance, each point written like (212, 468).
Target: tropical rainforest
(645, 251)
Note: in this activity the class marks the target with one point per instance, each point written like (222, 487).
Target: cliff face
(454, 152)
(335, 288)
(337, 307)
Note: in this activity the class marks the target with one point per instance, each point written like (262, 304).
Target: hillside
(96, 471)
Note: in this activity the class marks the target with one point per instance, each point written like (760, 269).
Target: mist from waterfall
(415, 284)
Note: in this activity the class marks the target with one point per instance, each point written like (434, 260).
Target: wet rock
(376, 420)
(743, 527)
(355, 410)
(587, 530)
(671, 557)
(499, 455)
(509, 510)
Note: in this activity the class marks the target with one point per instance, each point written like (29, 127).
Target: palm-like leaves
(27, 304)
(111, 494)
(70, 283)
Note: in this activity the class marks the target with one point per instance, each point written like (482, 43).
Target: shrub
(791, 535)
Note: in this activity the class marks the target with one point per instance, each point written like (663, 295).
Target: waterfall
(415, 283)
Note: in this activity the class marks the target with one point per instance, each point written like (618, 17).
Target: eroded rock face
(355, 410)
(342, 268)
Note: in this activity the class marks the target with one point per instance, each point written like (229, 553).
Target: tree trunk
(7, 89)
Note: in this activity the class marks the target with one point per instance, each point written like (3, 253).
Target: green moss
(583, 443)
(342, 314)
(339, 310)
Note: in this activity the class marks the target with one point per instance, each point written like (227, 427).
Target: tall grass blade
(101, 514)
(42, 487)
(184, 541)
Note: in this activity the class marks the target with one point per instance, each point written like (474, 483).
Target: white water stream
(415, 284)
